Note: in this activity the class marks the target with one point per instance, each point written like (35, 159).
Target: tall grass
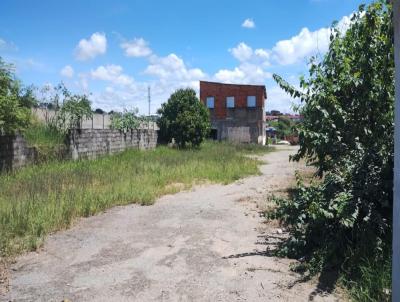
(373, 282)
(48, 141)
(41, 199)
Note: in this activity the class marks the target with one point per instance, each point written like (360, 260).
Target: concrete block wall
(15, 152)
(91, 143)
(81, 144)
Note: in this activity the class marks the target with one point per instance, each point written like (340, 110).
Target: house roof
(238, 85)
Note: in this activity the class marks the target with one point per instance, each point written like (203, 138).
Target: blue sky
(115, 49)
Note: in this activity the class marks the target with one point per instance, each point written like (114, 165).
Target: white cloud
(242, 52)
(245, 53)
(301, 46)
(173, 69)
(251, 68)
(171, 72)
(248, 23)
(280, 100)
(7, 46)
(92, 47)
(245, 73)
(22, 64)
(306, 44)
(230, 76)
(136, 48)
(118, 99)
(67, 71)
(113, 74)
(83, 82)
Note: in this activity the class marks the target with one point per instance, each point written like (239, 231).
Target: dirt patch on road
(4, 278)
(207, 244)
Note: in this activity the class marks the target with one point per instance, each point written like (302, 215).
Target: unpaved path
(207, 244)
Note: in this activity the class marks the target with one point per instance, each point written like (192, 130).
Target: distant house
(236, 111)
(292, 117)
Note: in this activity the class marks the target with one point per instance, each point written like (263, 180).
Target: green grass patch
(47, 140)
(41, 199)
(374, 281)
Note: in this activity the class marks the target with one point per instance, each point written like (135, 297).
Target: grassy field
(41, 199)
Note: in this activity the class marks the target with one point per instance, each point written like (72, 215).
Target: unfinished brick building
(237, 111)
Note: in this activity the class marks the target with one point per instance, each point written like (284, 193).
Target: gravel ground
(206, 244)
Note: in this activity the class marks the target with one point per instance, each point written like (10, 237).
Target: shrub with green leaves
(74, 109)
(184, 118)
(15, 102)
(126, 120)
(347, 134)
(284, 127)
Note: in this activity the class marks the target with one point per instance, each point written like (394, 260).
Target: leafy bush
(15, 102)
(347, 134)
(184, 118)
(284, 127)
(74, 109)
(125, 120)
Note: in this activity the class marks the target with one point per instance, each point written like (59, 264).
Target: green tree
(347, 133)
(73, 109)
(15, 102)
(184, 118)
(126, 120)
(284, 127)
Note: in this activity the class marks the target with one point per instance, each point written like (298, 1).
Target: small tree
(15, 102)
(184, 118)
(71, 108)
(126, 120)
(347, 134)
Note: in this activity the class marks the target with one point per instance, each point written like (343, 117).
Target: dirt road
(207, 244)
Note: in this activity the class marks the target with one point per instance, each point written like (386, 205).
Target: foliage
(37, 200)
(347, 134)
(74, 109)
(184, 118)
(126, 120)
(48, 141)
(15, 102)
(71, 109)
(99, 111)
(374, 282)
(284, 127)
(13, 117)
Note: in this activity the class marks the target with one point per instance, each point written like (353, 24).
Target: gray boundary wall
(15, 152)
(97, 121)
(91, 143)
(81, 144)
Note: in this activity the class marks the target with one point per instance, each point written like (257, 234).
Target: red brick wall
(220, 91)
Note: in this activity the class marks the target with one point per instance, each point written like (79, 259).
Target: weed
(37, 200)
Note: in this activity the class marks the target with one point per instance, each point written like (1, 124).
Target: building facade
(236, 111)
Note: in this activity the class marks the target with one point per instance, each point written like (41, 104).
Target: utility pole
(396, 175)
(149, 99)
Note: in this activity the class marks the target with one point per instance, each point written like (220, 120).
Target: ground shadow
(273, 244)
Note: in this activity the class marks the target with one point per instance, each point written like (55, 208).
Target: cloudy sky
(116, 49)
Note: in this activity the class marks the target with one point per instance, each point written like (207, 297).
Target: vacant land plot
(41, 199)
(205, 244)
